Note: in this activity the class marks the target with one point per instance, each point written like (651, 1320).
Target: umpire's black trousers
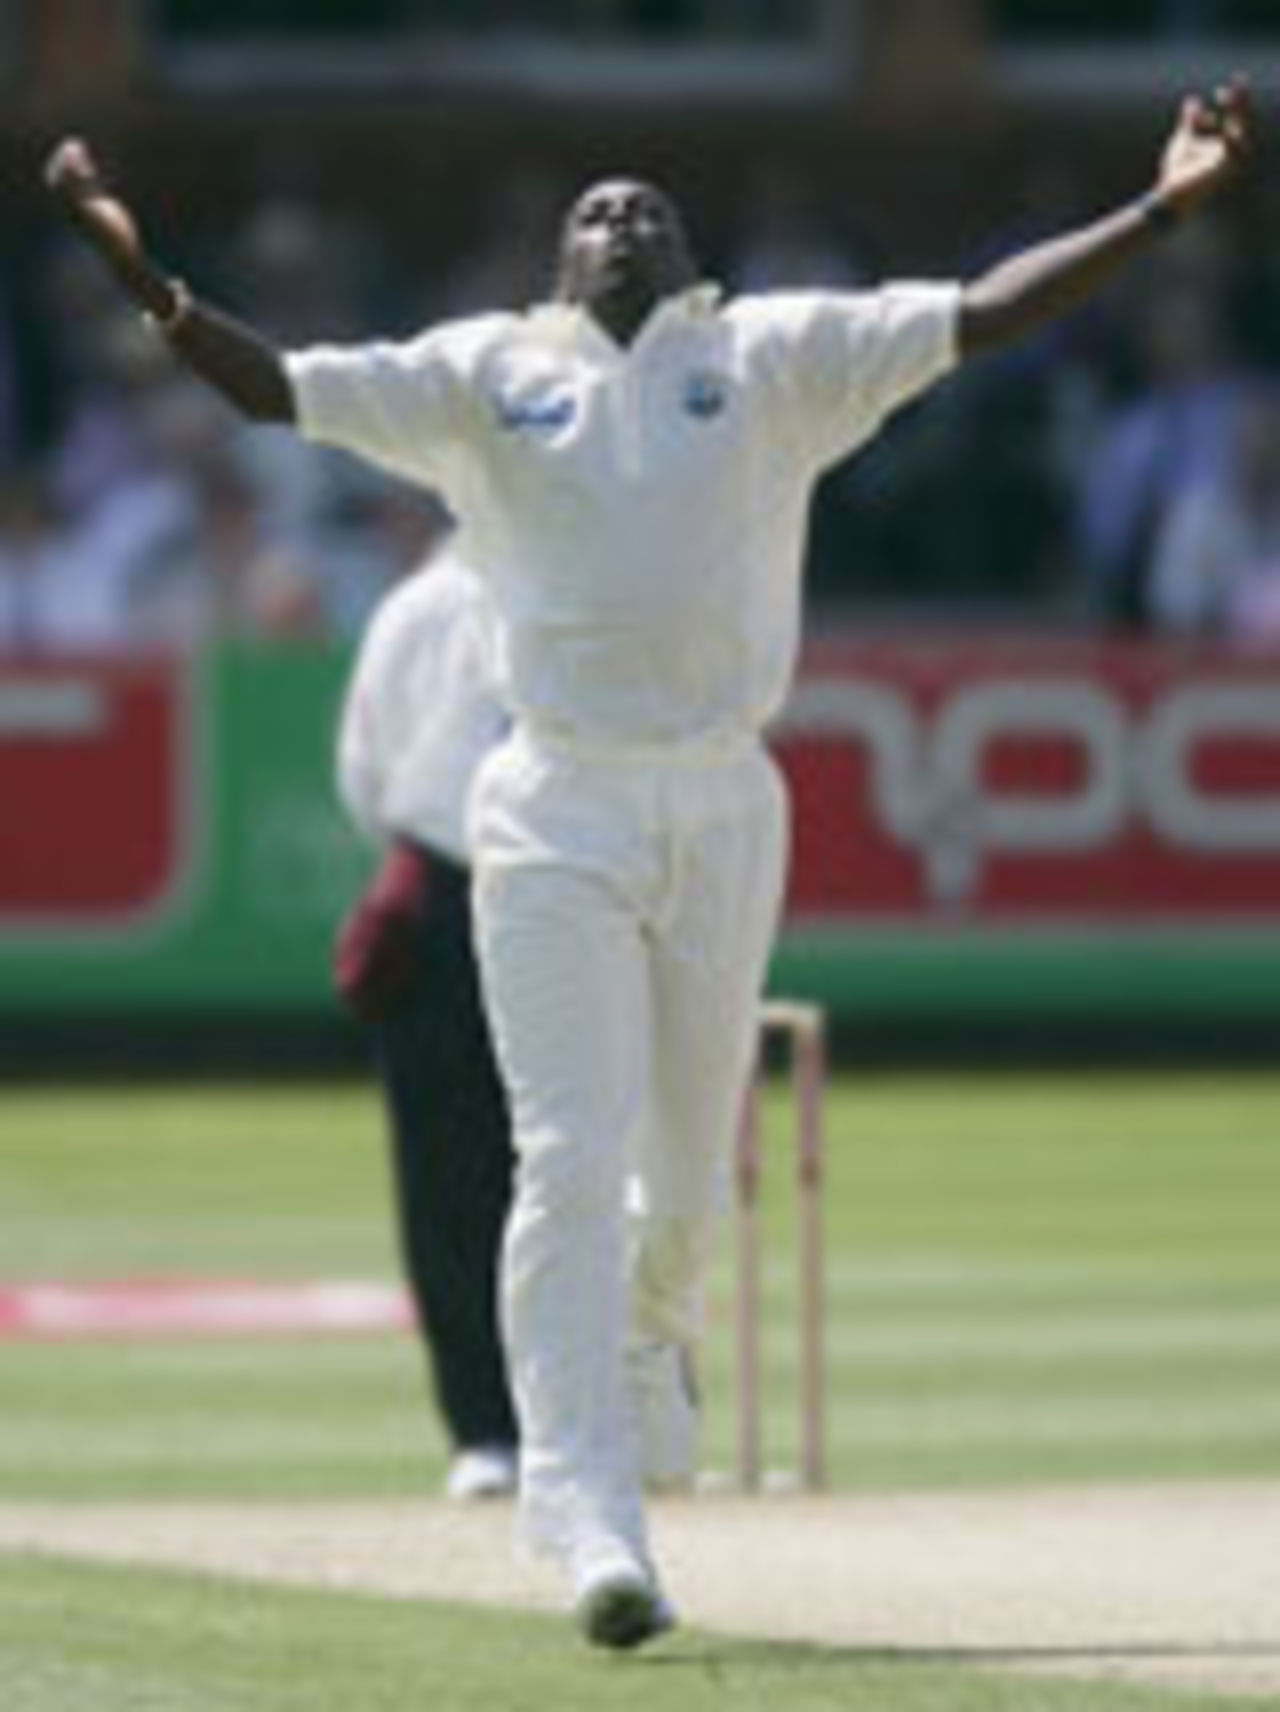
(451, 1150)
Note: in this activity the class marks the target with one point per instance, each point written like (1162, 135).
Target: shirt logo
(705, 394)
(541, 415)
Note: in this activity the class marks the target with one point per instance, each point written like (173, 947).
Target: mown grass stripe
(1248, 1331)
(947, 1273)
(1038, 1420)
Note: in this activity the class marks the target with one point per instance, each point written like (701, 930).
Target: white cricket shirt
(420, 712)
(640, 511)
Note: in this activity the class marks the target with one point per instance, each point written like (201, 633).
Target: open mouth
(622, 250)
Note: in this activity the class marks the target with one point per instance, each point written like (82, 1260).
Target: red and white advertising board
(1026, 783)
(94, 776)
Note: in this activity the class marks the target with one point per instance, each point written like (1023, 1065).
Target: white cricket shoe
(619, 1605)
(482, 1471)
(662, 1387)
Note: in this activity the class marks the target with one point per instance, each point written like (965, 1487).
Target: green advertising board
(251, 860)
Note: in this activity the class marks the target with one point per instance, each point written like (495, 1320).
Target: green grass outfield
(1030, 1279)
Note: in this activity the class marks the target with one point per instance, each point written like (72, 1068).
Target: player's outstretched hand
(72, 176)
(376, 958)
(1212, 138)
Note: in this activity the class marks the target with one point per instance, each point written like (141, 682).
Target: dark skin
(624, 249)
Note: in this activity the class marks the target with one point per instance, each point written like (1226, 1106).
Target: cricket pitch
(1171, 1584)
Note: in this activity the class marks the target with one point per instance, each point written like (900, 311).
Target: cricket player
(420, 715)
(632, 463)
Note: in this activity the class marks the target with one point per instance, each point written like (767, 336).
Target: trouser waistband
(680, 752)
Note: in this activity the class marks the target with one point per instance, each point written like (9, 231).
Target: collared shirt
(421, 712)
(640, 511)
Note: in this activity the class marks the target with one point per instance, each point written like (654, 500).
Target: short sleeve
(1187, 588)
(361, 760)
(401, 406)
(851, 358)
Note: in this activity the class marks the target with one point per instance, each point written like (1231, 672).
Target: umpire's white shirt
(640, 511)
(421, 712)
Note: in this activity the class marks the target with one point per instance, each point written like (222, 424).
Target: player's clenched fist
(1210, 142)
(71, 169)
(376, 959)
(71, 173)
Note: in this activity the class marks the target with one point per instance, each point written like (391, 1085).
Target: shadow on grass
(704, 1651)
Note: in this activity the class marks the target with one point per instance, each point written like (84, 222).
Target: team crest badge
(705, 394)
(540, 414)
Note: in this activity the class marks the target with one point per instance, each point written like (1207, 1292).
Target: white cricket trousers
(625, 906)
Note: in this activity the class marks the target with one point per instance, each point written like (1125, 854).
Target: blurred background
(1036, 747)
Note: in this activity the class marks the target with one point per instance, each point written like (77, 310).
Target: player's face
(623, 243)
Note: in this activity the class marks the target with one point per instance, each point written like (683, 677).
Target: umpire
(418, 718)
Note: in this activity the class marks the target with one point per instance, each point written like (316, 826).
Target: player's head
(623, 247)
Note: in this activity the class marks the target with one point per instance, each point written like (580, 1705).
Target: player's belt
(710, 749)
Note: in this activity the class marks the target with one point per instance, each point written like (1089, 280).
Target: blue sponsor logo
(705, 394)
(537, 415)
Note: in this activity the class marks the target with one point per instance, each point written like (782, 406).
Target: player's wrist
(170, 309)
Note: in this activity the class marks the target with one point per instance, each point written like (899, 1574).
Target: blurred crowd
(1104, 20)
(1120, 473)
(581, 18)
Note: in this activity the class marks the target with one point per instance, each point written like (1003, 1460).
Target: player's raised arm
(1204, 153)
(231, 357)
